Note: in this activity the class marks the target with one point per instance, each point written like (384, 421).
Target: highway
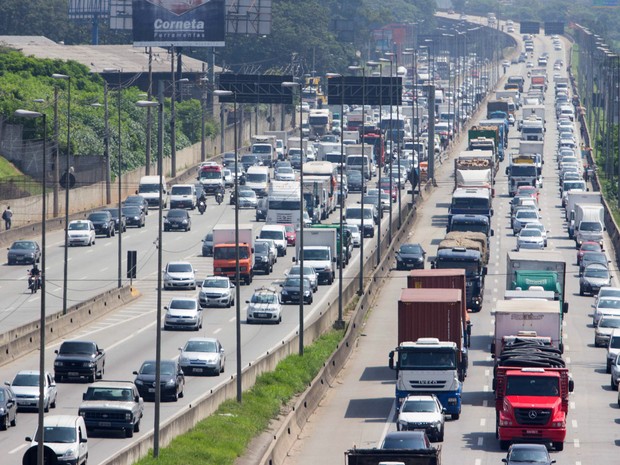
(360, 404)
(128, 334)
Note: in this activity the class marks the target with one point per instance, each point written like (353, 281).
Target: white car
(604, 328)
(530, 238)
(66, 435)
(422, 412)
(522, 218)
(264, 306)
(540, 227)
(202, 355)
(356, 237)
(607, 291)
(613, 348)
(81, 232)
(179, 275)
(285, 173)
(608, 306)
(217, 291)
(229, 180)
(25, 385)
(183, 313)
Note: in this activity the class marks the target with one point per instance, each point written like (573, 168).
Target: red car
(385, 187)
(588, 246)
(529, 190)
(291, 234)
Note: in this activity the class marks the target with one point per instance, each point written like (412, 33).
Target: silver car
(202, 355)
(309, 274)
(522, 217)
(217, 291)
(613, 348)
(25, 385)
(179, 275)
(615, 375)
(593, 278)
(604, 328)
(530, 238)
(422, 412)
(183, 313)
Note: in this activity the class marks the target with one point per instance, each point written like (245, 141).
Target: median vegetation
(224, 436)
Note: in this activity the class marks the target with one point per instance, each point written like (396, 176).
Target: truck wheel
(608, 368)
(503, 445)
(91, 377)
(456, 416)
(558, 446)
(129, 433)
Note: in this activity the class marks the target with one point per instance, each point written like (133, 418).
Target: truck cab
(474, 201)
(211, 178)
(470, 223)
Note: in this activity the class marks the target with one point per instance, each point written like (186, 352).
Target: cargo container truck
(472, 262)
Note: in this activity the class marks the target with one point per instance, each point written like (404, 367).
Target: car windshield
(177, 214)
(285, 169)
(98, 216)
(200, 346)
(209, 237)
(179, 268)
(295, 282)
(275, 235)
(23, 245)
(256, 177)
(131, 211)
(26, 379)
(356, 213)
(78, 226)
(247, 194)
(289, 228)
(593, 226)
(353, 228)
(421, 406)
(609, 323)
(316, 254)
(264, 298)
(544, 386)
(526, 214)
(108, 393)
(261, 248)
(114, 212)
(58, 434)
(181, 190)
(528, 455)
(530, 233)
(183, 304)
(609, 303)
(596, 273)
(134, 200)
(216, 283)
(595, 257)
(149, 368)
(75, 347)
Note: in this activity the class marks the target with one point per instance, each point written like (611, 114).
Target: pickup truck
(79, 359)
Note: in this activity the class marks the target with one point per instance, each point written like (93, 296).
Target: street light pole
(379, 161)
(67, 78)
(41, 438)
(301, 221)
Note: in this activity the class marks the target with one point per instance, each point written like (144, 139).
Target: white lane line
(485, 388)
(17, 449)
(480, 441)
(576, 443)
(107, 244)
(487, 373)
(217, 330)
(574, 422)
(232, 319)
(104, 269)
(572, 405)
(483, 422)
(568, 360)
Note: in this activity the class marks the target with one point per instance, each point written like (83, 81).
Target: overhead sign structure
(529, 27)
(554, 27)
(253, 88)
(358, 90)
(192, 23)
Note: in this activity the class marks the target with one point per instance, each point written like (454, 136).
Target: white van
(257, 179)
(66, 436)
(149, 189)
(277, 233)
(183, 196)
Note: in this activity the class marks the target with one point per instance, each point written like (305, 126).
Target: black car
(592, 257)
(290, 291)
(172, 380)
(103, 223)
(410, 257)
(262, 205)
(26, 252)
(137, 201)
(263, 257)
(114, 213)
(8, 408)
(228, 159)
(134, 216)
(207, 245)
(354, 178)
(248, 161)
(528, 453)
(177, 218)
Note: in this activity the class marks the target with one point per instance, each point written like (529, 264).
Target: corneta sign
(164, 23)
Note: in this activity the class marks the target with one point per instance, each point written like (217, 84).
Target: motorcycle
(219, 197)
(34, 283)
(202, 206)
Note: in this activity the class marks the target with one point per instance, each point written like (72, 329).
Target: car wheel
(46, 407)
(91, 377)
(14, 420)
(608, 368)
(456, 416)
(558, 446)
(4, 424)
(440, 436)
(503, 445)
(613, 385)
(53, 404)
(129, 433)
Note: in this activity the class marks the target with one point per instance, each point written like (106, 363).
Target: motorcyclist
(202, 202)
(219, 194)
(34, 276)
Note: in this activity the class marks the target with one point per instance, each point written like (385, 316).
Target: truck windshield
(181, 190)
(545, 386)
(592, 226)
(427, 360)
(470, 203)
(523, 170)
(256, 177)
(228, 253)
(207, 175)
(262, 149)
(470, 267)
(148, 189)
(470, 227)
(316, 254)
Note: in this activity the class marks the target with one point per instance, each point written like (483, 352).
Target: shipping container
(449, 278)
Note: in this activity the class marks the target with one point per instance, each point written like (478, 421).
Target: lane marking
(485, 388)
(17, 449)
(572, 405)
(217, 330)
(576, 443)
(574, 422)
(232, 319)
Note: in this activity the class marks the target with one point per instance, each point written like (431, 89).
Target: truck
(264, 147)
(468, 240)
(320, 120)
(502, 133)
(478, 138)
(376, 141)
(536, 148)
(532, 128)
(532, 387)
(544, 269)
(323, 148)
(589, 223)
(521, 172)
(473, 263)
(225, 252)
(375, 456)
(319, 252)
(430, 357)
(351, 135)
(473, 223)
(517, 81)
(475, 168)
(527, 318)
(293, 143)
(355, 120)
(494, 107)
(536, 111)
(575, 197)
(513, 94)
(283, 199)
(281, 142)
(324, 173)
(345, 251)
(473, 201)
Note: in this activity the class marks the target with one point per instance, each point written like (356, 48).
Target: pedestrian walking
(7, 216)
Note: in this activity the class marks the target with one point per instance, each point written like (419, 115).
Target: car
(77, 359)
(607, 291)
(264, 306)
(25, 385)
(355, 180)
(119, 402)
(183, 313)
(615, 374)
(264, 257)
(81, 232)
(202, 355)
(309, 273)
(372, 198)
(281, 164)
(410, 257)
(172, 379)
(605, 306)
(277, 233)
(356, 236)
(239, 174)
(216, 291)
(422, 412)
(8, 408)
(594, 277)
(593, 257)
(528, 453)
(272, 247)
(24, 252)
(587, 246)
(134, 216)
(530, 238)
(228, 159)
(613, 349)
(137, 201)
(539, 227)
(207, 245)
(285, 174)
(529, 64)
(417, 440)
(123, 221)
(290, 290)
(604, 328)
(523, 217)
(229, 180)
(179, 275)
(183, 196)
(307, 220)
(247, 198)
(291, 234)
(532, 191)
(262, 207)
(176, 219)
(67, 436)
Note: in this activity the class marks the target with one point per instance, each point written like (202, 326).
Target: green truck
(478, 136)
(348, 243)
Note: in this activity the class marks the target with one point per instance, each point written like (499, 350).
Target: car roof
(204, 339)
(191, 299)
(417, 397)
(265, 290)
(79, 221)
(60, 420)
(112, 384)
(180, 262)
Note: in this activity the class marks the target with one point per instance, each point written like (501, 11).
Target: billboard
(529, 27)
(554, 27)
(165, 23)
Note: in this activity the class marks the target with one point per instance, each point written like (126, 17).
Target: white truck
(283, 202)
(323, 148)
(319, 252)
(281, 142)
(537, 111)
(351, 135)
(474, 168)
(532, 128)
(264, 147)
(293, 143)
(514, 94)
(533, 147)
(320, 121)
(527, 319)
(583, 198)
(589, 223)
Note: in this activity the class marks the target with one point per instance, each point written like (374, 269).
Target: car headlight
(58, 364)
(183, 359)
(184, 221)
(139, 382)
(284, 292)
(166, 220)
(306, 292)
(171, 382)
(1, 409)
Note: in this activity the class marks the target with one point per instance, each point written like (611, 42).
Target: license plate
(531, 431)
(151, 389)
(105, 424)
(175, 225)
(261, 315)
(198, 370)
(74, 373)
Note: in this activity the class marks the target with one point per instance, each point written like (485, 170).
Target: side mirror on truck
(391, 360)
(492, 232)
(565, 307)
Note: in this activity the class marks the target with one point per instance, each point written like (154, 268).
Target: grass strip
(224, 436)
